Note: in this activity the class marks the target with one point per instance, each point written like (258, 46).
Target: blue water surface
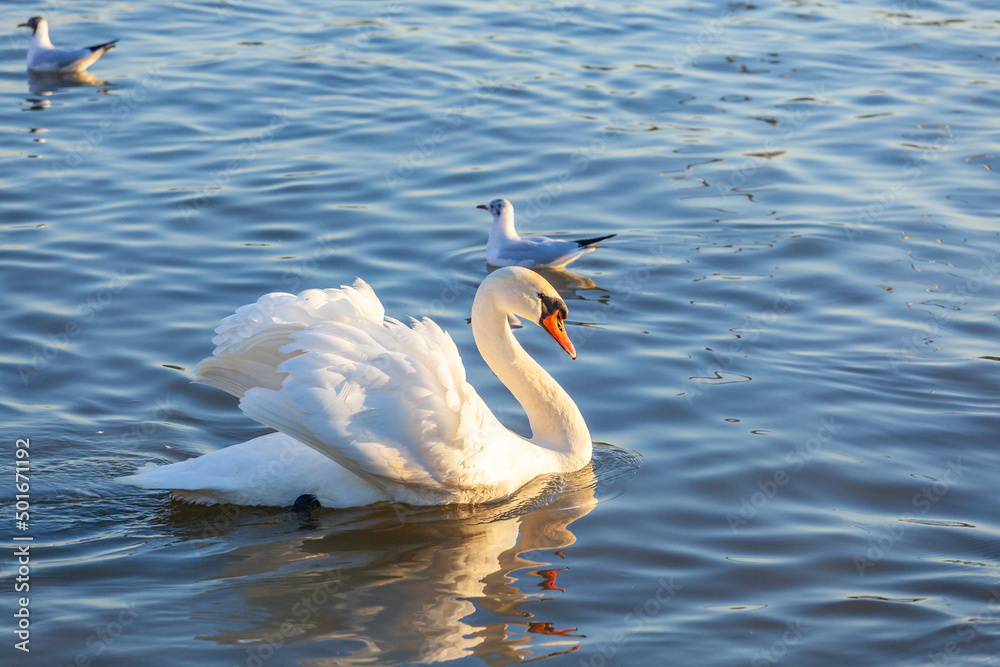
(789, 352)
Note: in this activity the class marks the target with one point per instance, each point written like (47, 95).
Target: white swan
(43, 56)
(506, 247)
(372, 410)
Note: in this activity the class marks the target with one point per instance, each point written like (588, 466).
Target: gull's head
(32, 23)
(498, 207)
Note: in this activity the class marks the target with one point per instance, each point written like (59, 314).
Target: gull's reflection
(568, 284)
(401, 585)
(46, 83)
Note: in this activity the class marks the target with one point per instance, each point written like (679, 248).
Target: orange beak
(554, 325)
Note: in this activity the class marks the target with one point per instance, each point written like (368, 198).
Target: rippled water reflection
(795, 328)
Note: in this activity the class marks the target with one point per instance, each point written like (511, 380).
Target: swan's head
(32, 23)
(528, 295)
(498, 207)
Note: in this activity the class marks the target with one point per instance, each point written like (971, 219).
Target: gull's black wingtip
(107, 46)
(586, 242)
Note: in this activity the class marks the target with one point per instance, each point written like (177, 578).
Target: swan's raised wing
(346, 304)
(387, 401)
(247, 342)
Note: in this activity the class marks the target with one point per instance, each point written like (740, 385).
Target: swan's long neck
(556, 422)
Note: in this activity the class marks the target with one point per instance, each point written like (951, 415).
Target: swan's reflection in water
(400, 585)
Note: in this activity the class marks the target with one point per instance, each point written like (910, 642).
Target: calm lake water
(789, 352)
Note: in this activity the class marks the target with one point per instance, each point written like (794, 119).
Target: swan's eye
(553, 308)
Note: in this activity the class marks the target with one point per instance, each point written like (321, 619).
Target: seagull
(506, 248)
(44, 57)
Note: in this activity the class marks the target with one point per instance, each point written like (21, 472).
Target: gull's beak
(484, 207)
(554, 325)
